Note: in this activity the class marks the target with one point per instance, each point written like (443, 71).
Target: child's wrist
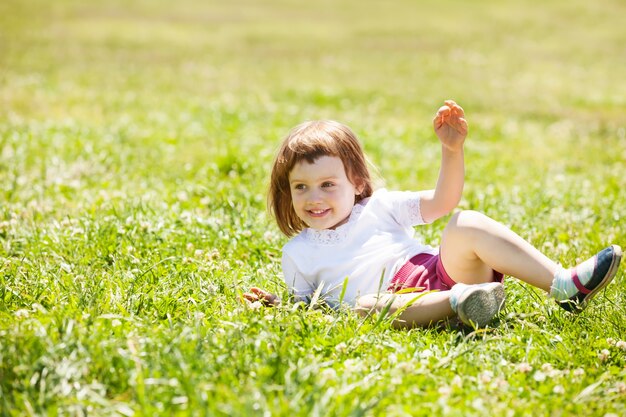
(452, 149)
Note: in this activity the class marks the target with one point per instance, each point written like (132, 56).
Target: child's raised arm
(451, 129)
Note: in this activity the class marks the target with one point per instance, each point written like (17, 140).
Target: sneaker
(604, 267)
(478, 304)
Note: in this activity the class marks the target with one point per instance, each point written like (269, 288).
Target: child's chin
(320, 226)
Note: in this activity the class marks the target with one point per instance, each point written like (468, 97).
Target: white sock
(563, 286)
(455, 293)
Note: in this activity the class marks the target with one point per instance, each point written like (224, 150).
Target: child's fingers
(441, 115)
(250, 297)
(454, 108)
(443, 110)
(458, 111)
(259, 292)
(262, 295)
(462, 126)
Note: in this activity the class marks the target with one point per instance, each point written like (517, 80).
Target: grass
(135, 143)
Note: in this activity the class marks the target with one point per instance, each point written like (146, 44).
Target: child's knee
(465, 220)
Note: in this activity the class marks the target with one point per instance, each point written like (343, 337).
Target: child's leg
(474, 245)
(475, 305)
(429, 308)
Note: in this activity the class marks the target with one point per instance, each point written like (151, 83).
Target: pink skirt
(425, 272)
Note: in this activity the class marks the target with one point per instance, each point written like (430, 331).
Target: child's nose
(315, 196)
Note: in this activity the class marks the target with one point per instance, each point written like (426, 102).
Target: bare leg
(428, 309)
(474, 245)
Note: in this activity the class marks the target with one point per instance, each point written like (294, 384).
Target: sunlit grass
(135, 144)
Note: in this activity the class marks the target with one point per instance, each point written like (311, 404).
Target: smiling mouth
(318, 213)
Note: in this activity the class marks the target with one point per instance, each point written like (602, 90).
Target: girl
(321, 193)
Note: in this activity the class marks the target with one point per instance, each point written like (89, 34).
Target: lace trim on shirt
(333, 236)
(415, 212)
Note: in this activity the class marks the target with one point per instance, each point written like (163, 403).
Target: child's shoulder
(383, 195)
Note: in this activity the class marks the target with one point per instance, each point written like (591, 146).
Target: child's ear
(360, 186)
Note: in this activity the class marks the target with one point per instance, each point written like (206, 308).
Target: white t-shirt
(368, 249)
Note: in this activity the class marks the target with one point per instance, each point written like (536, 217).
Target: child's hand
(257, 294)
(450, 126)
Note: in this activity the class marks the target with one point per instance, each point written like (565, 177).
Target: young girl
(322, 194)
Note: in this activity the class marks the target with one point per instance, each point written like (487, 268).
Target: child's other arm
(451, 129)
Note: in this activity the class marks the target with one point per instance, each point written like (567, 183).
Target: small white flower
(478, 404)
(445, 390)
(457, 381)
(327, 318)
(21, 313)
(328, 374)
(610, 341)
(502, 383)
(116, 323)
(405, 367)
(621, 387)
(579, 372)
(539, 376)
(198, 253)
(486, 377)
(524, 367)
(546, 367)
(558, 389)
(621, 345)
(351, 365)
(341, 347)
(604, 355)
(426, 354)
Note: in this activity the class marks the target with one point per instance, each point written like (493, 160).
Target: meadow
(135, 144)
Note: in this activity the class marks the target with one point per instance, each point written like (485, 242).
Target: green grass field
(135, 143)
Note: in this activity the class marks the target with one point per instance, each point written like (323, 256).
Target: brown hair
(310, 141)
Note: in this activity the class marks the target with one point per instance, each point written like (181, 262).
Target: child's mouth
(318, 213)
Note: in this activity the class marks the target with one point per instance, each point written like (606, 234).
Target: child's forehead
(324, 165)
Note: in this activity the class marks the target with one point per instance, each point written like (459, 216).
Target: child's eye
(327, 184)
(299, 186)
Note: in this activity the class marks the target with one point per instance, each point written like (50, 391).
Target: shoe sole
(617, 257)
(478, 306)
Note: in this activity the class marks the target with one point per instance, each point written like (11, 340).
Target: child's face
(322, 193)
